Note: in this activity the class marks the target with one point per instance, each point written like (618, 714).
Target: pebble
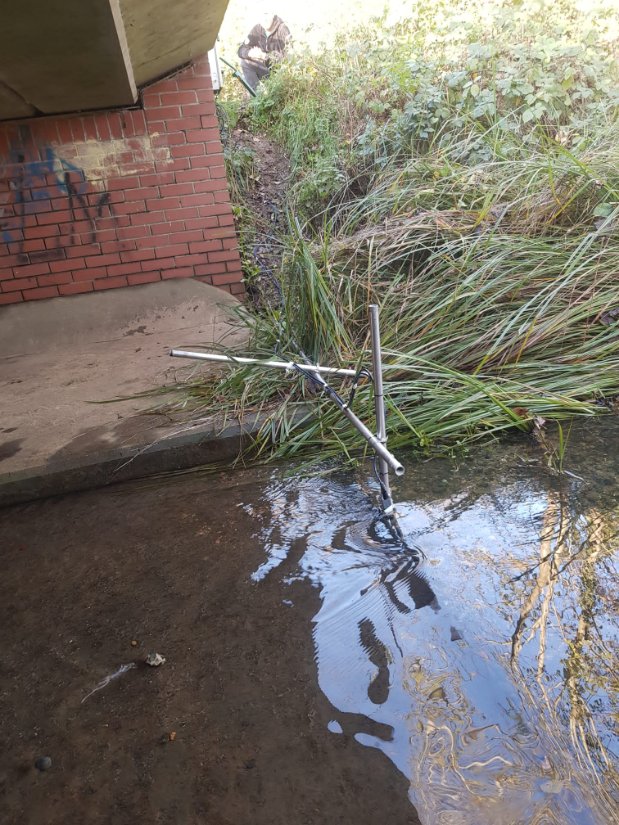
(43, 763)
(155, 660)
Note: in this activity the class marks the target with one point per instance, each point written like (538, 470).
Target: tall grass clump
(460, 169)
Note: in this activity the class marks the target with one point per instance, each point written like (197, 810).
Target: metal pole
(379, 408)
(282, 365)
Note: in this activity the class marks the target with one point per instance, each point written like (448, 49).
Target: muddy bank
(87, 575)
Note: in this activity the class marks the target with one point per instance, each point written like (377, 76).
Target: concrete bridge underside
(74, 55)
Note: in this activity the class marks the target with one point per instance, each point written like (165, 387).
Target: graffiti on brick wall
(47, 184)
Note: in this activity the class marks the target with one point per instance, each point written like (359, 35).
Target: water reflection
(483, 664)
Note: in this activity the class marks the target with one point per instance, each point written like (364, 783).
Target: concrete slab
(63, 360)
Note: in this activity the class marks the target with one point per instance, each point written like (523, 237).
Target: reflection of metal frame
(314, 373)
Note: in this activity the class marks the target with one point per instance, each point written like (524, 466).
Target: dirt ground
(264, 199)
(231, 730)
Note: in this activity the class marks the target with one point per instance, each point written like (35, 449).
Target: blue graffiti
(39, 180)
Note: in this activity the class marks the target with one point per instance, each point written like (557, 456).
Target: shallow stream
(316, 670)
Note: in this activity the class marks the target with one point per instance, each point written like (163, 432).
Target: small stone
(155, 660)
(43, 763)
(172, 735)
(134, 643)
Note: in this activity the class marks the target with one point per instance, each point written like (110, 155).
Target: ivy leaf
(603, 210)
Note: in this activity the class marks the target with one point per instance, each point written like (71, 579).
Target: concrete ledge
(194, 445)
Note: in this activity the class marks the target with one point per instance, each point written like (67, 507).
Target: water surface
(482, 659)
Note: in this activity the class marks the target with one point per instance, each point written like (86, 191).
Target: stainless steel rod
(237, 359)
(379, 406)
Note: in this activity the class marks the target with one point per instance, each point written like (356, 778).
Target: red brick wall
(119, 198)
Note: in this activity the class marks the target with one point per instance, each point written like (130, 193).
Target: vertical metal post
(379, 407)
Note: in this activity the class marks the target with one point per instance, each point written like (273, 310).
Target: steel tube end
(399, 470)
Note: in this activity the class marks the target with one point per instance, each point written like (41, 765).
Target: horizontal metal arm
(237, 359)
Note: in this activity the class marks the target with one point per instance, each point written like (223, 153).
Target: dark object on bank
(265, 44)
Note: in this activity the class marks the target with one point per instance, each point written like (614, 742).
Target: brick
(171, 165)
(59, 216)
(123, 183)
(143, 278)
(114, 122)
(40, 292)
(188, 150)
(159, 263)
(171, 250)
(131, 207)
(162, 179)
(214, 245)
(190, 260)
(138, 121)
(210, 269)
(196, 200)
(90, 274)
(178, 98)
(166, 137)
(160, 229)
(187, 237)
(130, 232)
(182, 124)
(77, 130)
(102, 236)
(217, 171)
(147, 218)
(90, 128)
(66, 265)
(111, 283)
(226, 220)
(137, 255)
(185, 213)
(83, 250)
(168, 85)
(209, 210)
(201, 223)
(141, 193)
(163, 203)
(177, 272)
(223, 279)
(11, 298)
(200, 109)
(75, 288)
(42, 205)
(177, 189)
(162, 112)
(203, 187)
(151, 98)
(117, 246)
(237, 288)
(19, 283)
(198, 136)
(123, 269)
(35, 245)
(103, 129)
(54, 279)
(47, 255)
(102, 260)
(193, 175)
(32, 270)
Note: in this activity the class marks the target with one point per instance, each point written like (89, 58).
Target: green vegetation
(460, 169)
